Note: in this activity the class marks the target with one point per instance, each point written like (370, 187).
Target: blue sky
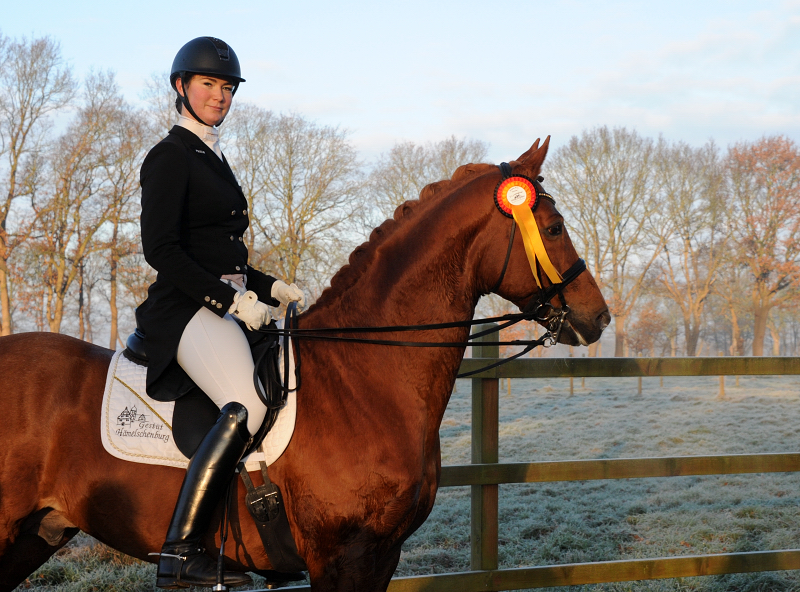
(505, 73)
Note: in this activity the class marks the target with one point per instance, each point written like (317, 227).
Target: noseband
(517, 197)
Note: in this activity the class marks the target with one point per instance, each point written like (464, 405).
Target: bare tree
(764, 178)
(71, 211)
(304, 183)
(785, 329)
(161, 113)
(692, 183)
(91, 274)
(135, 275)
(28, 292)
(400, 174)
(121, 152)
(647, 331)
(248, 147)
(607, 182)
(36, 82)
(780, 318)
(731, 300)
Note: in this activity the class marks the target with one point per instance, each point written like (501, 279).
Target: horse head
(587, 314)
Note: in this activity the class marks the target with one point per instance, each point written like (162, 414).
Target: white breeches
(216, 355)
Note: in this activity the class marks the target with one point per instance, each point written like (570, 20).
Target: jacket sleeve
(164, 178)
(261, 284)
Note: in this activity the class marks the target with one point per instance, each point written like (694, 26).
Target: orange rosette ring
(515, 191)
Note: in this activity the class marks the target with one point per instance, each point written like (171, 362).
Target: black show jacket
(194, 216)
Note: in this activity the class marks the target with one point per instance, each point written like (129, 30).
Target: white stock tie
(209, 135)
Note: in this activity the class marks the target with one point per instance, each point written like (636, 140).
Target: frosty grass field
(543, 524)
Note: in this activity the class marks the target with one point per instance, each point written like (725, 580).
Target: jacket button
(244, 212)
(238, 268)
(208, 298)
(231, 237)
(233, 212)
(219, 305)
(240, 239)
(213, 302)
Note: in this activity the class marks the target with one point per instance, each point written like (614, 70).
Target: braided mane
(363, 255)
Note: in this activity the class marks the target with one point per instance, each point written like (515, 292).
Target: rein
(537, 308)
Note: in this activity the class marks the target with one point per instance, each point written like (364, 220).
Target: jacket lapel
(198, 147)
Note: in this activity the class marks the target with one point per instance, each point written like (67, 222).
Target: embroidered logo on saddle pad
(137, 428)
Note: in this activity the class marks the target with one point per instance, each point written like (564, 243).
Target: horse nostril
(603, 319)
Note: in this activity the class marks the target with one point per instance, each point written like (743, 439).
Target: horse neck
(424, 272)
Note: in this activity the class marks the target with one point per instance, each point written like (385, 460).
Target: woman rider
(194, 215)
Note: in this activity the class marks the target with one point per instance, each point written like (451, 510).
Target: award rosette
(515, 191)
(516, 197)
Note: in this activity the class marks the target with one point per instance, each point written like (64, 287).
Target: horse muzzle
(579, 331)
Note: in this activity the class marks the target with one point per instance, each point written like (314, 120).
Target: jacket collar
(195, 145)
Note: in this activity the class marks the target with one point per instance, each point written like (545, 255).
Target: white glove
(249, 310)
(286, 294)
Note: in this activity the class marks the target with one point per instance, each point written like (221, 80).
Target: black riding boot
(183, 561)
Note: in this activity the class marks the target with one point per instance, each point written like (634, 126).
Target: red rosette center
(514, 191)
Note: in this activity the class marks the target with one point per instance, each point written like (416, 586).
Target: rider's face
(209, 97)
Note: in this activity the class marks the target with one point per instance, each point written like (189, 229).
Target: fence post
(583, 378)
(485, 426)
(639, 388)
(571, 379)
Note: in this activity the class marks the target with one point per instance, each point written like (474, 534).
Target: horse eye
(555, 229)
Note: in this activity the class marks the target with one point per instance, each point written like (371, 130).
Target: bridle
(538, 308)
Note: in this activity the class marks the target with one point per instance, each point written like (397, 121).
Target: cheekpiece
(515, 191)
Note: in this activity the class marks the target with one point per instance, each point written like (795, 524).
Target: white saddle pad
(137, 428)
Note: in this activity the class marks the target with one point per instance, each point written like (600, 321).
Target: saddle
(195, 413)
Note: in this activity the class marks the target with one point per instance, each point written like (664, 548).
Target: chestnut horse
(362, 469)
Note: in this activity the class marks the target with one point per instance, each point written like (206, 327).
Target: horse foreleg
(41, 534)
(352, 572)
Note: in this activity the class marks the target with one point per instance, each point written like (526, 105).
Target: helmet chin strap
(185, 102)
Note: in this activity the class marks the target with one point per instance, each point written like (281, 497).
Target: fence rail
(633, 367)
(576, 574)
(486, 473)
(618, 468)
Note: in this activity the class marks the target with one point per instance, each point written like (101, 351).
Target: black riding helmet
(204, 55)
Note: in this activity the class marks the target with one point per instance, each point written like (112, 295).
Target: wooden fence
(486, 473)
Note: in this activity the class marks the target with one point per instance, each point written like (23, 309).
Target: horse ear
(530, 151)
(531, 161)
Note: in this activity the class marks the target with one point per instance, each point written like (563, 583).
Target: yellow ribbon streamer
(534, 246)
